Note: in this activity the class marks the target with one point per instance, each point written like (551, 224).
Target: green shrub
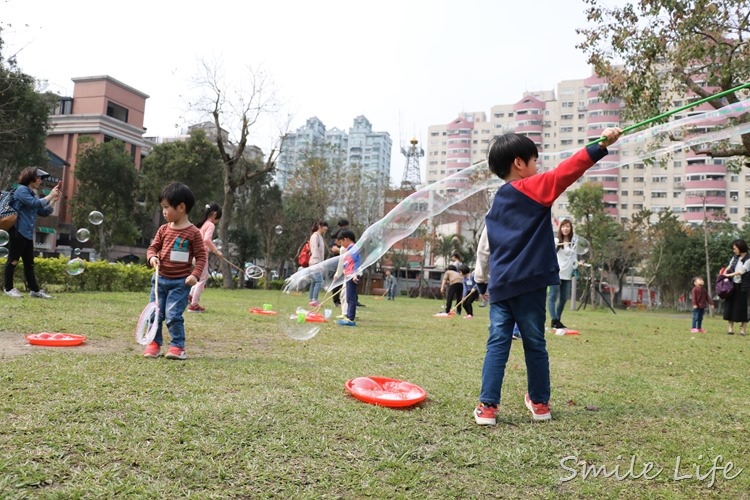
(99, 276)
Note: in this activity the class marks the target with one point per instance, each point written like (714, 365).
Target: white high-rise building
(361, 146)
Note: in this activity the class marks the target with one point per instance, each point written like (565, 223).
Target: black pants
(468, 301)
(20, 248)
(454, 292)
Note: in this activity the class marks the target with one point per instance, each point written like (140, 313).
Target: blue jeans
(316, 285)
(528, 311)
(173, 299)
(351, 299)
(558, 296)
(698, 317)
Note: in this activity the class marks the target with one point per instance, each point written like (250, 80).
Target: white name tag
(176, 256)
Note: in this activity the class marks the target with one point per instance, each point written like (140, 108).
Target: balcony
(705, 169)
(708, 184)
(711, 201)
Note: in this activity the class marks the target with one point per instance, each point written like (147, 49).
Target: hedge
(99, 276)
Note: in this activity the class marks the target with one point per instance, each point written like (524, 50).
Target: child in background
(171, 252)
(351, 261)
(520, 250)
(700, 300)
(390, 286)
(207, 226)
(453, 282)
(470, 290)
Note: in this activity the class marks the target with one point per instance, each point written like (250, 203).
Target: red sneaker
(153, 350)
(176, 353)
(485, 414)
(195, 308)
(539, 411)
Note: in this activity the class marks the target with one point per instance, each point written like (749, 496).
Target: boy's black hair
(504, 149)
(176, 193)
(343, 223)
(451, 268)
(347, 233)
(465, 269)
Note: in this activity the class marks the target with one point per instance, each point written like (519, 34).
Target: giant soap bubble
(4, 237)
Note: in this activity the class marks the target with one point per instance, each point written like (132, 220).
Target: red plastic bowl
(385, 391)
(256, 310)
(55, 339)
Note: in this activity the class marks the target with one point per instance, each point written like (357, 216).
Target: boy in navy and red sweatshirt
(520, 263)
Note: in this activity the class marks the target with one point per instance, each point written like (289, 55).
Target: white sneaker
(41, 294)
(14, 293)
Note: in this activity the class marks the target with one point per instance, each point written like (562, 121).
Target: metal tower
(412, 177)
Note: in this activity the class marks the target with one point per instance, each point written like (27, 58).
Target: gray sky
(404, 64)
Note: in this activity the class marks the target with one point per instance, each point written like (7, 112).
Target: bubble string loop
(428, 201)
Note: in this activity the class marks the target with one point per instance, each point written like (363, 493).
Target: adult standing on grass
(735, 307)
(317, 255)
(207, 226)
(28, 205)
(522, 263)
(568, 262)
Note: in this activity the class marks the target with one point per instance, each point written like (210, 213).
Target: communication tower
(412, 176)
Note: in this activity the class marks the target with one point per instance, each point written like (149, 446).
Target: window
(117, 112)
(624, 193)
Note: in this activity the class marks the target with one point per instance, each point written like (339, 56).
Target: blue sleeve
(25, 199)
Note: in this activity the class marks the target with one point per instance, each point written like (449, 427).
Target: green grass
(256, 414)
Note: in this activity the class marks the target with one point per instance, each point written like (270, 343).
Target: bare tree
(241, 106)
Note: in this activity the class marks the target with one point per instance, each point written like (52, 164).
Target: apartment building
(568, 117)
(102, 108)
(359, 146)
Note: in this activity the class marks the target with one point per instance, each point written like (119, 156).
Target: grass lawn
(256, 414)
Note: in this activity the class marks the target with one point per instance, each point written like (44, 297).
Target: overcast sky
(404, 64)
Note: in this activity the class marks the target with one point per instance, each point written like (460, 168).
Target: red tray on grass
(55, 339)
(256, 310)
(385, 391)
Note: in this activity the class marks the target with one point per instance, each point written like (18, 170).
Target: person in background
(453, 283)
(207, 226)
(336, 250)
(701, 299)
(21, 246)
(456, 261)
(567, 260)
(317, 255)
(351, 261)
(735, 307)
(390, 286)
(470, 290)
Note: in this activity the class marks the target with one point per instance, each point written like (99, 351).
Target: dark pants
(454, 292)
(468, 301)
(20, 248)
(351, 299)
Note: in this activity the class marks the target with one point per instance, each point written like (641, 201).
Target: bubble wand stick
(676, 110)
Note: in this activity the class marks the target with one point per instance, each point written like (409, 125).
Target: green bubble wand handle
(674, 111)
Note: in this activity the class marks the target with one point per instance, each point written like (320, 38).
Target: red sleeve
(155, 247)
(546, 187)
(695, 296)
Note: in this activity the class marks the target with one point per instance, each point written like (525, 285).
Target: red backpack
(303, 259)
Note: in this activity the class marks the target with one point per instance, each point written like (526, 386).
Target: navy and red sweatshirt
(519, 227)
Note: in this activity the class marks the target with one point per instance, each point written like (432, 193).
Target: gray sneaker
(41, 294)
(14, 293)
